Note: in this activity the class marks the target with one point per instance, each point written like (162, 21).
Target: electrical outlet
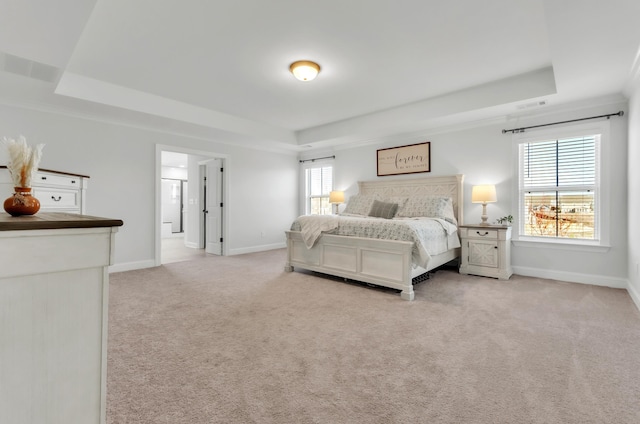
(262, 234)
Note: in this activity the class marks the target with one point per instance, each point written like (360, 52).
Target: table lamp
(484, 194)
(335, 198)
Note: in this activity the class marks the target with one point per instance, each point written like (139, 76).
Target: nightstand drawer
(480, 233)
(53, 198)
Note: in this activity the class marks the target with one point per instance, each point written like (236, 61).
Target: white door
(185, 196)
(213, 208)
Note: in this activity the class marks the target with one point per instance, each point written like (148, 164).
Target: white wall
(484, 155)
(634, 193)
(121, 163)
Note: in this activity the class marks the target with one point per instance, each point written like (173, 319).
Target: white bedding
(431, 236)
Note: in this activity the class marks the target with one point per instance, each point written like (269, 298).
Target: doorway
(172, 198)
(187, 225)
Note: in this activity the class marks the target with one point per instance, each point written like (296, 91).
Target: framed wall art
(409, 159)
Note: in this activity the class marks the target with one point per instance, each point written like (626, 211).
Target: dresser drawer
(57, 198)
(479, 233)
(56, 191)
(42, 178)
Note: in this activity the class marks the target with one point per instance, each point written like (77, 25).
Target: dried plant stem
(23, 160)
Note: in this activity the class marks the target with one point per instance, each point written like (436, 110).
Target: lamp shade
(336, 197)
(483, 194)
(304, 70)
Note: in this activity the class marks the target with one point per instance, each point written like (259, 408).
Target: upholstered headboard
(447, 186)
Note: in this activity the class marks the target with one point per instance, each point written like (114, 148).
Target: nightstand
(486, 250)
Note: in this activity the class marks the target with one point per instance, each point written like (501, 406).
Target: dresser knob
(56, 200)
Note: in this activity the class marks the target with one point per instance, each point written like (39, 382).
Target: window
(559, 188)
(318, 184)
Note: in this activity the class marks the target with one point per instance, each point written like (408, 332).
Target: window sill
(580, 246)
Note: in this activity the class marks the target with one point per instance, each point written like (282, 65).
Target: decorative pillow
(428, 206)
(383, 209)
(360, 204)
(401, 201)
(420, 206)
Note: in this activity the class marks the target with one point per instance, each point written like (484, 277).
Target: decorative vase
(22, 202)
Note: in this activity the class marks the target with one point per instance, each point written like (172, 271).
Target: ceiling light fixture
(304, 70)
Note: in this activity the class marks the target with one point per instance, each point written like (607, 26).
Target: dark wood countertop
(54, 220)
(55, 172)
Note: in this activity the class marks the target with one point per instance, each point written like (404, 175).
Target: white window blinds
(560, 163)
(318, 183)
(559, 188)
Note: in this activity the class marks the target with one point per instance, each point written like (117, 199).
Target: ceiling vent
(29, 68)
(532, 105)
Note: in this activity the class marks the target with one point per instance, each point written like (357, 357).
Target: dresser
(54, 287)
(57, 191)
(486, 250)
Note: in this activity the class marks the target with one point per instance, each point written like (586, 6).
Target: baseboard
(573, 277)
(260, 248)
(192, 245)
(635, 294)
(130, 266)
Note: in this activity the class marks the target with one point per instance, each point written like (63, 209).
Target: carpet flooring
(174, 250)
(238, 340)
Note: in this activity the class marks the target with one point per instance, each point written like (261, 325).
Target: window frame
(602, 193)
(304, 166)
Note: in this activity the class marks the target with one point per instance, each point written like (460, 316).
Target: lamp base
(484, 216)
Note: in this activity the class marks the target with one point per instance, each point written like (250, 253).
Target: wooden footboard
(383, 262)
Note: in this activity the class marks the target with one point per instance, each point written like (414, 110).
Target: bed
(384, 262)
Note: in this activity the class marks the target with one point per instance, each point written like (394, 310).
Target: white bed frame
(383, 262)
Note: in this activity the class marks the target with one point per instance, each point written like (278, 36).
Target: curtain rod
(313, 160)
(519, 130)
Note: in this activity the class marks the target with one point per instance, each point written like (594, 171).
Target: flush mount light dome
(304, 70)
